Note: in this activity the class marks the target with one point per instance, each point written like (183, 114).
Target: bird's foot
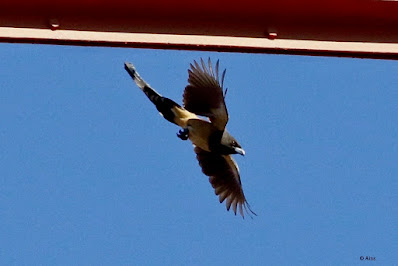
(183, 134)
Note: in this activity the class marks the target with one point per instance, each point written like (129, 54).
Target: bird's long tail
(169, 109)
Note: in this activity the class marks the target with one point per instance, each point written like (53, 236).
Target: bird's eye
(233, 143)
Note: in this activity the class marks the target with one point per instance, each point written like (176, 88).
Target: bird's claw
(183, 134)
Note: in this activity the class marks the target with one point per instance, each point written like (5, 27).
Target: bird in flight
(204, 96)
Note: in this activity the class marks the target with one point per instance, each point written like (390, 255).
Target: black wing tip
(246, 208)
(202, 64)
(249, 211)
(201, 67)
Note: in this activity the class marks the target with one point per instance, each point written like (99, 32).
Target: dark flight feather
(204, 94)
(224, 177)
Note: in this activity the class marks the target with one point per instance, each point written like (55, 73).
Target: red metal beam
(340, 28)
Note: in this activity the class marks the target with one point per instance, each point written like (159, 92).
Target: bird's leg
(183, 134)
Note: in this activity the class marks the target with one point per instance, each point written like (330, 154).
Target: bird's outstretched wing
(204, 94)
(224, 177)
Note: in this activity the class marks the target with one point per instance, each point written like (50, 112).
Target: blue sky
(90, 174)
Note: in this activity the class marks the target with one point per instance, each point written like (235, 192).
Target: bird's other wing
(204, 94)
(224, 176)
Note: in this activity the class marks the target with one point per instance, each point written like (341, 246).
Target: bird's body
(204, 97)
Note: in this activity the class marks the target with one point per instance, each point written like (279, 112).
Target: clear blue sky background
(90, 174)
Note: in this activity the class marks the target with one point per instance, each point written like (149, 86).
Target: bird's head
(231, 145)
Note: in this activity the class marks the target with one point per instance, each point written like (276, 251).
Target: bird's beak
(240, 151)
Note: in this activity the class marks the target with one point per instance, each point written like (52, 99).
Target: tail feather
(165, 106)
(152, 94)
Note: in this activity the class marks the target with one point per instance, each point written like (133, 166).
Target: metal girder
(351, 28)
